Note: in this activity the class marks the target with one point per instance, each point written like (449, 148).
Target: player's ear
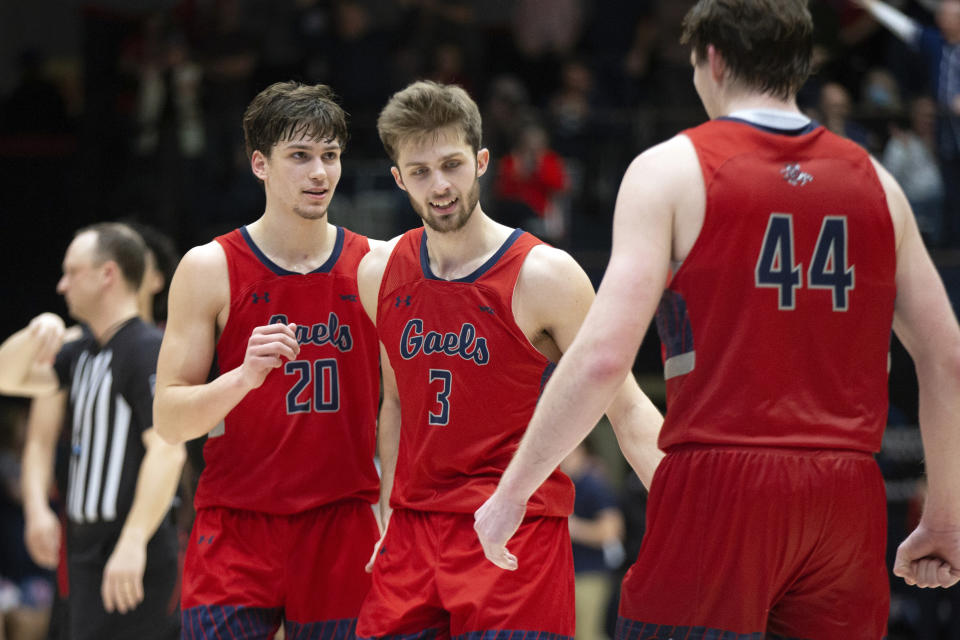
(258, 164)
(718, 66)
(397, 178)
(483, 161)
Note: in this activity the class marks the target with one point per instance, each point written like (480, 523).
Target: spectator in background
(910, 155)
(544, 33)
(528, 181)
(36, 104)
(570, 108)
(940, 49)
(449, 66)
(834, 110)
(880, 93)
(597, 531)
(26, 589)
(507, 97)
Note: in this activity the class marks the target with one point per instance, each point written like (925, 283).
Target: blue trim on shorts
(344, 629)
(216, 621)
(426, 634)
(634, 630)
(508, 634)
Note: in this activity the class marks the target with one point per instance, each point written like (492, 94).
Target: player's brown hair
(425, 108)
(291, 110)
(767, 44)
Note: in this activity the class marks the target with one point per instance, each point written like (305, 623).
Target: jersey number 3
(441, 417)
(828, 266)
(322, 375)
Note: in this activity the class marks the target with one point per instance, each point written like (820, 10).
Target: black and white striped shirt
(110, 406)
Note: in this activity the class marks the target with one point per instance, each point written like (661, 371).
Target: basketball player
(284, 522)
(797, 254)
(121, 544)
(471, 316)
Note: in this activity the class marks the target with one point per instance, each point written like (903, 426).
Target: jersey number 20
(828, 266)
(322, 375)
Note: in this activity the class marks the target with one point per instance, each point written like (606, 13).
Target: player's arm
(900, 24)
(41, 525)
(926, 325)
(369, 276)
(186, 405)
(157, 481)
(26, 357)
(599, 359)
(556, 291)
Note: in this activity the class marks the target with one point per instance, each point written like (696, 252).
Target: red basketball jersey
(467, 376)
(306, 437)
(776, 327)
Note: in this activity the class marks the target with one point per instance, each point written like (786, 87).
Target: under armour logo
(257, 298)
(349, 297)
(487, 310)
(405, 301)
(792, 174)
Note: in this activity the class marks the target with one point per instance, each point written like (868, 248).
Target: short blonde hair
(425, 108)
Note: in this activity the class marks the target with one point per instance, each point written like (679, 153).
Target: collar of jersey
(482, 269)
(280, 271)
(774, 121)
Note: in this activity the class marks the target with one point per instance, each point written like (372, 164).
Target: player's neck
(755, 101)
(292, 242)
(457, 254)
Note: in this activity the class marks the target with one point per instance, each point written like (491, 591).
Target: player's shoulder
(667, 155)
(547, 269)
(375, 244)
(379, 254)
(201, 281)
(203, 262)
(897, 204)
(543, 260)
(372, 266)
(205, 256)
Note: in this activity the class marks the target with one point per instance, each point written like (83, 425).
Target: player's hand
(376, 549)
(929, 558)
(122, 588)
(267, 347)
(47, 330)
(41, 534)
(495, 523)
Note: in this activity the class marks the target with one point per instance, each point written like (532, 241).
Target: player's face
(300, 175)
(441, 175)
(83, 277)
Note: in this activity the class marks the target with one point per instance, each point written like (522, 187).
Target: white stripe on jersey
(122, 417)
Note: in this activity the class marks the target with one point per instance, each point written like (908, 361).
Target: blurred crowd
(146, 112)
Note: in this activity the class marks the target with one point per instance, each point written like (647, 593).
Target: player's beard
(453, 221)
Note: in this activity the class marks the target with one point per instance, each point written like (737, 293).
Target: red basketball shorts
(750, 540)
(245, 570)
(432, 579)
